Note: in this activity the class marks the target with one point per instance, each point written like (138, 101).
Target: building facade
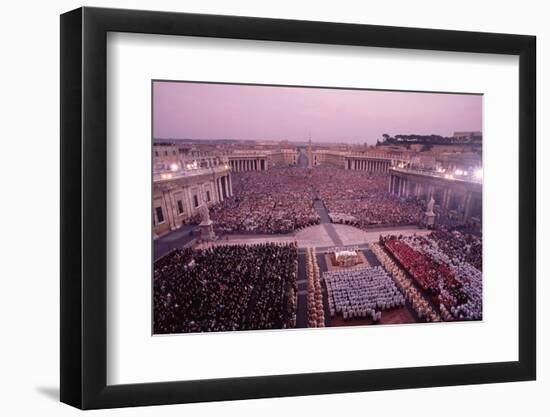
(330, 157)
(178, 193)
(261, 160)
(375, 162)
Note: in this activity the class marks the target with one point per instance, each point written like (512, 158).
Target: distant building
(261, 159)
(467, 135)
(369, 161)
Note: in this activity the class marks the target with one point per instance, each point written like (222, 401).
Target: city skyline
(187, 110)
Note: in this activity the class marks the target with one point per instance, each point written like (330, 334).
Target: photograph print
(292, 207)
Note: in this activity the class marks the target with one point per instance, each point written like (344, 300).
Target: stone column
(467, 206)
(230, 185)
(168, 210)
(430, 192)
(173, 205)
(219, 180)
(445, 202)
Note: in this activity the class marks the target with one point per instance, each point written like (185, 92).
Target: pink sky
(183, 110)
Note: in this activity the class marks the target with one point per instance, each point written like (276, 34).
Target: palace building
(180, 190)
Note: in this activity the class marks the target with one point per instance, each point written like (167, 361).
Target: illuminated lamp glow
(478, 174)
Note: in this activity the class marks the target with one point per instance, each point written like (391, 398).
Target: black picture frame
(84, 207)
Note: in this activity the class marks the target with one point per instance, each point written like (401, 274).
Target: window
(196, 200)
(180, 207)
(156, 153)
(208, 196)
(173, 152)
(160, 215)
(165, 153)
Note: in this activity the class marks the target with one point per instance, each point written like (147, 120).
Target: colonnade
(239, 165)
(367, 164)
(449, 197)
(224, 187)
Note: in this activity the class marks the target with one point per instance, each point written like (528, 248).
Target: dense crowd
(315, 310)
(465, 247)
(362, 199)
(223, 288)
(454, 286)
(423, 309)
(279, 200)
(468, 306)
(361, 293)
